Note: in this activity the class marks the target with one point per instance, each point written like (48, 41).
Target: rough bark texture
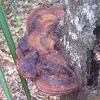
(79, 23)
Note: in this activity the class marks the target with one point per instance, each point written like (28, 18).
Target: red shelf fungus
(38, 59)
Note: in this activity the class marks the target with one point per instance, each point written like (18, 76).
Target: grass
(9, 39)
(4, 85)
(18, 26)
(2, 2)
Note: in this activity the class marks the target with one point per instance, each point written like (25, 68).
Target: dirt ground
(22, 9)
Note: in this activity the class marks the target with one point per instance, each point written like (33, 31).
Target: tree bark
(79, 23)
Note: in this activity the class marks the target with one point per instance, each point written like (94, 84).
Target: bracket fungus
(38, 59)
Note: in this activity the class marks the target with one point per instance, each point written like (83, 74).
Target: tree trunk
(78, 39)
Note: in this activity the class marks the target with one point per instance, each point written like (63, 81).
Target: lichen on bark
(79, 23)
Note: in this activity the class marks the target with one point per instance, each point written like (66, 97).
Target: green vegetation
(18, 26)
(4, 85)
(9, 39)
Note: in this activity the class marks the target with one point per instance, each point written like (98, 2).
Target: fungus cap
(38, 59)
(56, 78)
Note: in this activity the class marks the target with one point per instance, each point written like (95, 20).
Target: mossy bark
(79, 23)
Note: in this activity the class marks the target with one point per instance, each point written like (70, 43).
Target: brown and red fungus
(38, 59)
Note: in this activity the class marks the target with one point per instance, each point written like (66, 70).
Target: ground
(22, 9)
